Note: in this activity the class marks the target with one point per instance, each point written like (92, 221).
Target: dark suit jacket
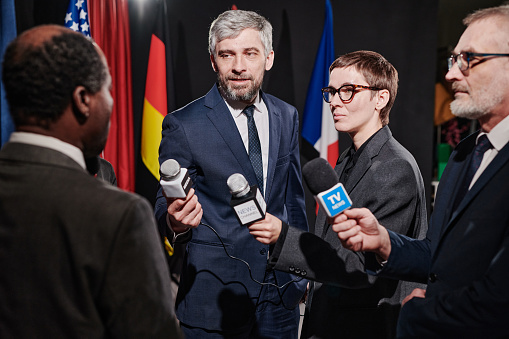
(387, 180)
(465, 257)
(216, 292)
(78, 257)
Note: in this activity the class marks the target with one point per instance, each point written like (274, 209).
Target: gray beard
(230, 94)
(467, 112)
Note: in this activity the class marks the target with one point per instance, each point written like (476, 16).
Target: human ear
(382, 99)
(81, 104)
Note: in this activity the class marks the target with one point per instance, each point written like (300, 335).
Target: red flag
(109, 21)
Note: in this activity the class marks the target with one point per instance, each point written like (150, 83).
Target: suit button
(433, 277)
(303, 273)
(291, 268)
(263, 251)
(297, 270)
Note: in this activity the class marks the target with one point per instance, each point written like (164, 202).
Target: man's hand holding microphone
(184, 210)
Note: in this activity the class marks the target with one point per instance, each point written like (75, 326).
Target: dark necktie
(255, 149)
(483, 144)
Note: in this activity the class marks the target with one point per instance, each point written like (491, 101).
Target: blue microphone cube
(335, 200)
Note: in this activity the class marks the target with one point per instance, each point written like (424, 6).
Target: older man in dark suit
(465, 256)
(376, 171)
(79, 258)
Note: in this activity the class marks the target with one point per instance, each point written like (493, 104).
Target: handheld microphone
(175, 181)
(324, 183)
(247, 201)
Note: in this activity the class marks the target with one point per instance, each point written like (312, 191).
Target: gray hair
(500, 11)
(229, 24)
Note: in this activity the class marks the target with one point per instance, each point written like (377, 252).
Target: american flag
(76, 17)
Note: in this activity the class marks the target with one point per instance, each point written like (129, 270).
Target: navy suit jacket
(217, 292)
(464, 259)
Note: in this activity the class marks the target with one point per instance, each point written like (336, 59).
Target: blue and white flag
(76, 17)
(7, 34)
(318, 124)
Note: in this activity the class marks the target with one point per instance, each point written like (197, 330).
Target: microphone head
(169, 169)
(319, 175)
(238, 185)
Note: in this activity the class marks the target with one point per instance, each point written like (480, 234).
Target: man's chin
(465, 110)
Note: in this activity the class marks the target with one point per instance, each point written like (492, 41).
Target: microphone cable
(247, 264)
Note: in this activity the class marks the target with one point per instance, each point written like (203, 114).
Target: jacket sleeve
(476, 310)
(295, 202)
(396, 203)
(135, 298)
(173, 146)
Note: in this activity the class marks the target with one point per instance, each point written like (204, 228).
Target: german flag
(159, 91)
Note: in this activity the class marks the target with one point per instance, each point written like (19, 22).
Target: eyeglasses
(346, 92)
(463, 59)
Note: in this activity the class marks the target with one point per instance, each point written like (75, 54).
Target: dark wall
(405, 32)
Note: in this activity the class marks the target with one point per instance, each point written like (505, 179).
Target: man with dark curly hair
(79, 258)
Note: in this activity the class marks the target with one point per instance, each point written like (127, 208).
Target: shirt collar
(499, 135)
(236, 107)
(35, 139)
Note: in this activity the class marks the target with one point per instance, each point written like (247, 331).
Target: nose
(454, 73)
(239, 65)
(335, 101)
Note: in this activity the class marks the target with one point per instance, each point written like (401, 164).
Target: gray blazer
(387, 181)
(79, 258)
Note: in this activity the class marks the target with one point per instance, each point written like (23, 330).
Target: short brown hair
(377, 71)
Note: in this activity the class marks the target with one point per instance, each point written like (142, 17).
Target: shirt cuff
(182, 237)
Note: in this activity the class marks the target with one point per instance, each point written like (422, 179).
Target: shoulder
(271, 100)
(107, 200)
(396, 162)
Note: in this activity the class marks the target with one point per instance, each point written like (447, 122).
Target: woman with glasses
(378, 173)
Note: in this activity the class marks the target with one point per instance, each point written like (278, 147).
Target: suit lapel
(220, 116)
(365, 160)
(492, 169)
(274, 141)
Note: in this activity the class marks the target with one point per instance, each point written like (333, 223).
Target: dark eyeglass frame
(355, 89)
(469, 56)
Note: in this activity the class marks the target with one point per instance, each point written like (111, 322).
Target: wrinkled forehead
(489, 35)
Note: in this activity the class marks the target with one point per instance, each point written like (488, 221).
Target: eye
(225, 55)
(347, 90)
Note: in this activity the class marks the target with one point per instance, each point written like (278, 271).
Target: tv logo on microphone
(335, 200)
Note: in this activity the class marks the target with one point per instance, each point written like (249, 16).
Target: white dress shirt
(498, 137)
(261, 116)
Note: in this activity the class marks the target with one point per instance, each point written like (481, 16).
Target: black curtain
(405, 32)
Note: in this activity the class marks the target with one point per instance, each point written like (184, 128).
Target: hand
(184, 213)
(416, 293)
(359, 230)
(267, 230)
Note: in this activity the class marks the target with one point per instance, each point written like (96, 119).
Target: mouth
(459, 90)
(338, 116)
(239, 81)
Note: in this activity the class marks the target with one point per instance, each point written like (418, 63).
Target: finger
(344, 226)
(356, 213)
(349, 233)
(353, 243)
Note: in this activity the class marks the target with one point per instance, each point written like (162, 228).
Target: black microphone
(324, 183)
(175, 181)
(247, 201)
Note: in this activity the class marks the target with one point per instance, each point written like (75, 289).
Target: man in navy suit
(465, 256)
(218, 296)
